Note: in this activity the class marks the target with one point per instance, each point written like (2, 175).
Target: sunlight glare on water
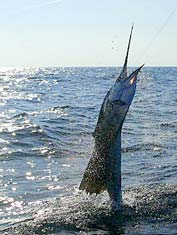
(47, 119)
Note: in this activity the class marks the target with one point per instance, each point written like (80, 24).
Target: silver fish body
(104, 168)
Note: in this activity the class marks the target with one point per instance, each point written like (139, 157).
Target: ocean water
(47, 116)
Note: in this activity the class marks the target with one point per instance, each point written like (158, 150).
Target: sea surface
(47, 116)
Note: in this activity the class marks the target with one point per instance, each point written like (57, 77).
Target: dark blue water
(47, 116)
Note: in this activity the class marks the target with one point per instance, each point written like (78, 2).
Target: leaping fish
(103, 171)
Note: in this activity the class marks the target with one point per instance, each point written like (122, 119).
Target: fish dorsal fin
(123, 73)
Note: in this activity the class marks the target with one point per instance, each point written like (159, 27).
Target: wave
(142, 147)
(60, 107)
(21, 115)
(168, 125)
(61, 110)
(144, 205)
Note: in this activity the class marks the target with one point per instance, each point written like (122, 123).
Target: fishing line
(42, 4)
(156, 35)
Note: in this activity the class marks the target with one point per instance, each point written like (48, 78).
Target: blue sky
(87, 32)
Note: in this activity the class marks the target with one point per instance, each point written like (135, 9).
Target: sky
(87, 32)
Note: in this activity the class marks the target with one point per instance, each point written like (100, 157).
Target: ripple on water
(47, 118)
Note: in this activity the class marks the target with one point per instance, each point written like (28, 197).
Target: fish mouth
(127, 87)
(132, 78)
(124, 90)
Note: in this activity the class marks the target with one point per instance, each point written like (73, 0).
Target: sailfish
(103, 171)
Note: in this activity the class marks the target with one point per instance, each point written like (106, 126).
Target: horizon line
(81, 66)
